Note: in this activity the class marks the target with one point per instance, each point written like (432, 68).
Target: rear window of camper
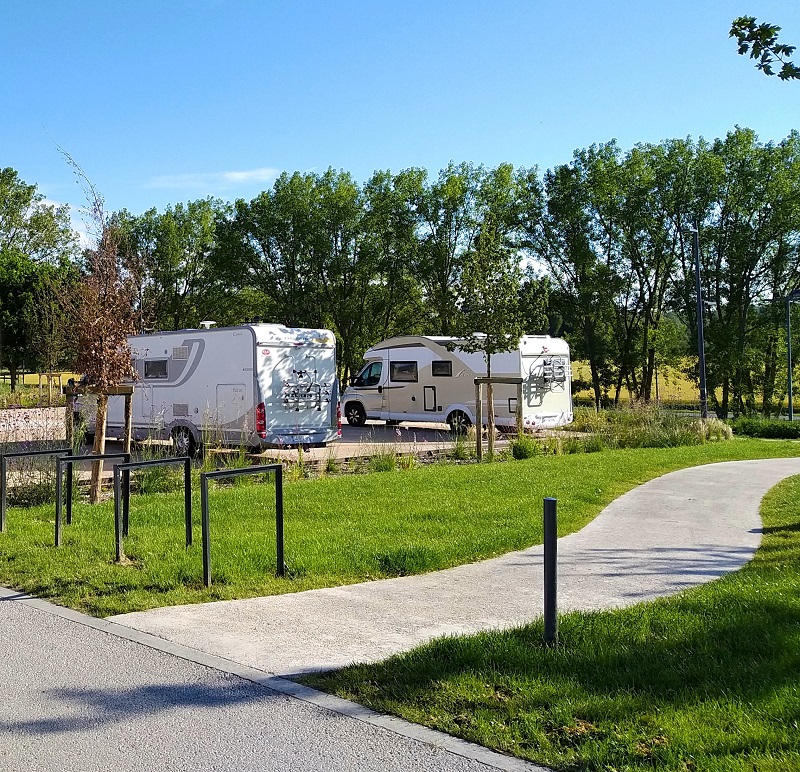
(155, 368)
(403, 371)
(442, 369)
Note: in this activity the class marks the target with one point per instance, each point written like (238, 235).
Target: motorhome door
(368, 385)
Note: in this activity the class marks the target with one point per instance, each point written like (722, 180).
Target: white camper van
(422, 378)
(258, 385)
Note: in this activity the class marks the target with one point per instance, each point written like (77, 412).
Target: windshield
(370, 375)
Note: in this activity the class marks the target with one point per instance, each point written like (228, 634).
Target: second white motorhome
(427, 378)
(258, 385)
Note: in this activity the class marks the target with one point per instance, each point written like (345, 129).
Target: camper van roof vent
(207, 324)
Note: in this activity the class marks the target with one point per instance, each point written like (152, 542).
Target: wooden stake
(99, 447)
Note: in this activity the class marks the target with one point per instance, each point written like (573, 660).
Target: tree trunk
(595, 384)
(98, 448)
(726, 389)
(12, 371)
(647, 378)
(770, 372)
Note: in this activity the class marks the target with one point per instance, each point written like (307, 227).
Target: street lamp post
(701, 345)
(793, 295)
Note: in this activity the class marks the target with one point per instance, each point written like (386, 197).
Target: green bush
(594, 443)
(383, 462)
(714, 430)
(766, 429)
(524, 446)
(587, 419)
(640, 426)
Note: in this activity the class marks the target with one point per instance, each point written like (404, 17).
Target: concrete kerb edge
(283, 686)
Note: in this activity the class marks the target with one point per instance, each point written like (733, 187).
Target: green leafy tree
(51, 332)
(391, 224)
(560, 232)
(448, 225)
(32, 233)
(760, 42)
(491, 273)
(267, 245)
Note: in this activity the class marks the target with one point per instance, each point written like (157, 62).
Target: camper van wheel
(355, 414)
(459, 422)
(183, 441)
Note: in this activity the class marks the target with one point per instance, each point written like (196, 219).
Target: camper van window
(155, 368)
(443, 369)
(403, 371)
(369, 376)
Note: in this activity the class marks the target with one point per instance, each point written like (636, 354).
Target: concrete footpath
(674, 532)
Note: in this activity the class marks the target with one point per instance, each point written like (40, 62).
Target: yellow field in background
(673, 385)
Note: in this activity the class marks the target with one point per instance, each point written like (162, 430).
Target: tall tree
(448, 225)
(391, 224)
(561, 232)
(51, 333)
(104, 317)
(491, 272)
(32, 233)
(267, 245)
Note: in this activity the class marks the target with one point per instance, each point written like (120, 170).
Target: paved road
(77, 698)
(676, 531)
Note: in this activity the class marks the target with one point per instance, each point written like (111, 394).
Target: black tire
(354, 413)
(459, 422)
(183, 441)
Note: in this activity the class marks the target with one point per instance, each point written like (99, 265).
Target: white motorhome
(258, 385)
(426, 378)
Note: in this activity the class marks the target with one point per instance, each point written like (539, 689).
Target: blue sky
(169, 101)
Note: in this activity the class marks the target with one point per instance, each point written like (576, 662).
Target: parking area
(20, 427)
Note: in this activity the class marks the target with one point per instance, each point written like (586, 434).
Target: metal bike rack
(122, 493)
(4, 470)
(68, 461)
(206, 476)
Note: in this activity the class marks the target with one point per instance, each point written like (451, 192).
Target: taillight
(261, 420)
(339, 420)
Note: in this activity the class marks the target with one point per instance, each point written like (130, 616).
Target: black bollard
(550, 573)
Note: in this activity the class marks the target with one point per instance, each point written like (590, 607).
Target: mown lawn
(706, 680)
(339, 530)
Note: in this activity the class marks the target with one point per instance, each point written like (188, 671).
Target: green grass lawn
(706, 680)
(339, 530)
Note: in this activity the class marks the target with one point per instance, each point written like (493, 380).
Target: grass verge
(338, 530)
(706, 680)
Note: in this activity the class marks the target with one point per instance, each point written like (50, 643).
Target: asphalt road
(78, 698)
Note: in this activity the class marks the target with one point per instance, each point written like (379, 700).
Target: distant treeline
(601, 248)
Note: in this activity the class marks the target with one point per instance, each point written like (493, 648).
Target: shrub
(464, 445)
(714, 430)
(594, 443)
(407, 461)
(383, 462)
(588, 420)
(766, 429)
(572, 445)
(553, 445)
(524, 446)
